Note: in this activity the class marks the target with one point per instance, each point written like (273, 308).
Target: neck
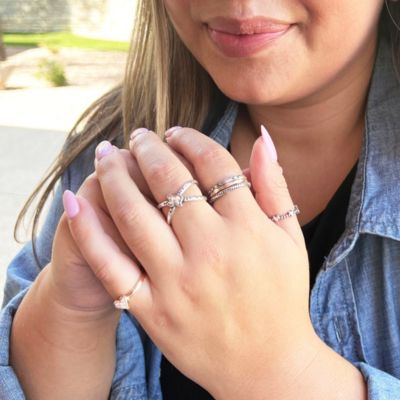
(326, 121)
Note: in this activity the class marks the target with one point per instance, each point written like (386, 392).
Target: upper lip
(248, 26)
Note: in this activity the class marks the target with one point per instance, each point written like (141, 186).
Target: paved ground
(34, 119)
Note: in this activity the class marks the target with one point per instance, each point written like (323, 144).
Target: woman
(221, 288)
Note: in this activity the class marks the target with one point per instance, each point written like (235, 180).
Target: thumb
(270, 187)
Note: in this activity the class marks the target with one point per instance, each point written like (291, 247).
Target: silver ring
(123, 302)
(291, 213)
(227, 185)
(178, 199)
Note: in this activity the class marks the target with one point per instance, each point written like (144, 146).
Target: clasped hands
(225, 294)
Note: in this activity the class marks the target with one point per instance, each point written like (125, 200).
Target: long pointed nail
(71, 205)
(269, 144)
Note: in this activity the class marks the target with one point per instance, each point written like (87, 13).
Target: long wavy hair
(144, 97)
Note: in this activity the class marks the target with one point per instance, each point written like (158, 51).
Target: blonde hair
(163, 86)
(152, 95)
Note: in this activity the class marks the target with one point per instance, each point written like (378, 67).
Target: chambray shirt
(355, 302)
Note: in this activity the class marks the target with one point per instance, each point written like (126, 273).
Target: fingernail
(103, 149)
(269, 144)
(171, 131)
(138, 132)
(71, 205)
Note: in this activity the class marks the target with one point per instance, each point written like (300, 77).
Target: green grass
(61, 39)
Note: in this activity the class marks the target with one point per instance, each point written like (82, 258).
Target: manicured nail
(138, 132)
(269, 144)
(103, 149)
(71, 205)
(171, 131)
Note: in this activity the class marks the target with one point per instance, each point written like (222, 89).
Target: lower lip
(243, 45)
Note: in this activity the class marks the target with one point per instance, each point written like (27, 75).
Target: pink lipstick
(244, 37)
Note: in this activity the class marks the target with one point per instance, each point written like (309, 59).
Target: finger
(165, 175)
(141, 225)
(246, 173)
(137, 176)
(270, 186)
(114, 269)
(91, 191)
(212, 164)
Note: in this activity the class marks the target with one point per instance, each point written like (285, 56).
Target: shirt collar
(373, 206)
(222, 132)
(374, 201)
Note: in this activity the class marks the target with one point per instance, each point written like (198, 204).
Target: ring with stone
(288, 214)
(123, 302)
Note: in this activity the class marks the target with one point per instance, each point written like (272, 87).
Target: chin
(250, 92)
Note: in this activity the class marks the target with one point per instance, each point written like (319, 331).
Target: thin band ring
(228, 189)
(123, 302)
(291, 213)
(227, 185)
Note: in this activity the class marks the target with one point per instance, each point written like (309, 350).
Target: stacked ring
(227, 185)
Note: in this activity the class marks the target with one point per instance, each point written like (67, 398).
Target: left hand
(226, 294)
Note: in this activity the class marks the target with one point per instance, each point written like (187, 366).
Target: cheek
(182, 14)
(328, 44)
(337, 26)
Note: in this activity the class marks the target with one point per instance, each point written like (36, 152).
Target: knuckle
(209, 154)
(126, 215)
(161, 320)
(107, 165)
(102, 272)
(161, 170)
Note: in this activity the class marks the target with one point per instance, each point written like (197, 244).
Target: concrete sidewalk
(34, 121)
(33, 127)
(25, 154)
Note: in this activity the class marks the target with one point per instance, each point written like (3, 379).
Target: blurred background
(56, 58)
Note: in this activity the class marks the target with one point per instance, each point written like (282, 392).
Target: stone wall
(35, 15)
(112, 19)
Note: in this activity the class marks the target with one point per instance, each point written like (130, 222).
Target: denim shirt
(355, 302)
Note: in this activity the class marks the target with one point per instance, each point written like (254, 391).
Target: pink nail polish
(171, 131)
(138, 132)
(103, 149)
(269, 144)
(71, 205)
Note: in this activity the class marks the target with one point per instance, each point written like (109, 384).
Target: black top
(320, 235)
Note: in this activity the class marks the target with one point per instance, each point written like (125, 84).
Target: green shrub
(52, 71)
